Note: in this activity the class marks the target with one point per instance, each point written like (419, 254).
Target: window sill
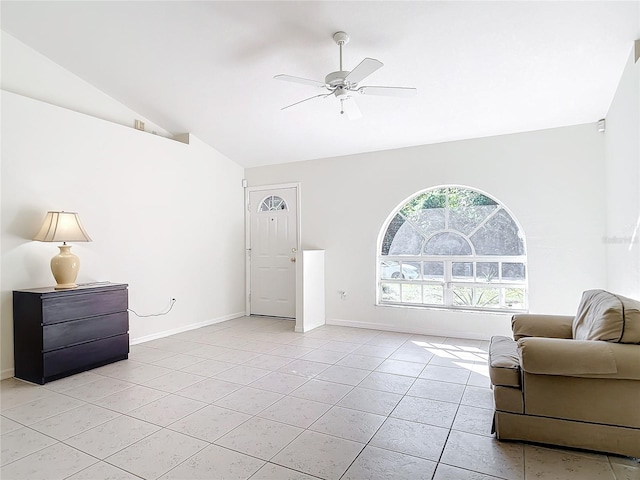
(486, 311)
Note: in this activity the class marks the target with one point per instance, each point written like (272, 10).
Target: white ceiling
(481, 68)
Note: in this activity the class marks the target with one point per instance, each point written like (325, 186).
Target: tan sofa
(571, 381)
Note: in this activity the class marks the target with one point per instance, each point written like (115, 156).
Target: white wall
(165, 217)
(622, 148)
(550, 180)
(29, 73)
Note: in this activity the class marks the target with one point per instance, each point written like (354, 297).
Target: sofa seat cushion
(604, 316)
(504, 363)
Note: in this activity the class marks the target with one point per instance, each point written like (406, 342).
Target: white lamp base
(65, 267)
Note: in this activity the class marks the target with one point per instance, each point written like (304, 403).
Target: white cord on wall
(173, 302)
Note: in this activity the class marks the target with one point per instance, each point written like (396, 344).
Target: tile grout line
(344, 338)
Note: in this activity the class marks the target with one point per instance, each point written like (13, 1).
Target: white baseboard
(390, 327)
(10, 372)
(186, 328)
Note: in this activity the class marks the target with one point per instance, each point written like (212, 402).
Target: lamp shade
(62, 227)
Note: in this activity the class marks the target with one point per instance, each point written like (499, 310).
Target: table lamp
(63, 227)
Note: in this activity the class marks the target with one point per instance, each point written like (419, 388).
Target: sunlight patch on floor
(463, 356)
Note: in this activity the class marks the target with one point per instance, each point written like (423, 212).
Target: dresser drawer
(85, 355)
(63, 334)
(60, 309)
(57, 333)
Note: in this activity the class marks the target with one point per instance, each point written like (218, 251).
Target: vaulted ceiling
(481, 68)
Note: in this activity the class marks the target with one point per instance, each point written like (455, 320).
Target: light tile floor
(249, 398)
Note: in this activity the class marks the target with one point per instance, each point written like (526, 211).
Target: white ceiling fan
(344, 84)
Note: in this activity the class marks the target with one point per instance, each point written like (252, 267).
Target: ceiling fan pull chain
(341, 107)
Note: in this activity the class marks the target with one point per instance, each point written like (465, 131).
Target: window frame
(270, 207)
(448, 283)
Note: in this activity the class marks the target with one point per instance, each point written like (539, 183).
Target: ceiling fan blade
(363, 70)
(310, 98)
(305, 81)
(389, 91)
(350, 107)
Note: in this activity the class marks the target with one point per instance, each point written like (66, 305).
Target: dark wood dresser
(61, 332)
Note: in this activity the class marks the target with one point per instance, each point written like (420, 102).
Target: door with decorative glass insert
(273, 245)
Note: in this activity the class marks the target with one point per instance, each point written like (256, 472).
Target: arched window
(273, 203)
(453, 247)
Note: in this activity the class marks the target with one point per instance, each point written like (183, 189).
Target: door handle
(292, 259)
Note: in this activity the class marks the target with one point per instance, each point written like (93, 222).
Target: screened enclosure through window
(453, 247)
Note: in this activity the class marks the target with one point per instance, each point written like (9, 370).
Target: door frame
(247, 235)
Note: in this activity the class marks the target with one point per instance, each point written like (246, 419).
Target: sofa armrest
(579, 358)
(549, 326)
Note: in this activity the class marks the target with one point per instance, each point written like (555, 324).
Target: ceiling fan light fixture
(342, 93)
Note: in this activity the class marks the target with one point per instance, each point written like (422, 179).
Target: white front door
(273, 245)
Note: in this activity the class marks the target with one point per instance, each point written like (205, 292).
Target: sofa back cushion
(605, 316)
